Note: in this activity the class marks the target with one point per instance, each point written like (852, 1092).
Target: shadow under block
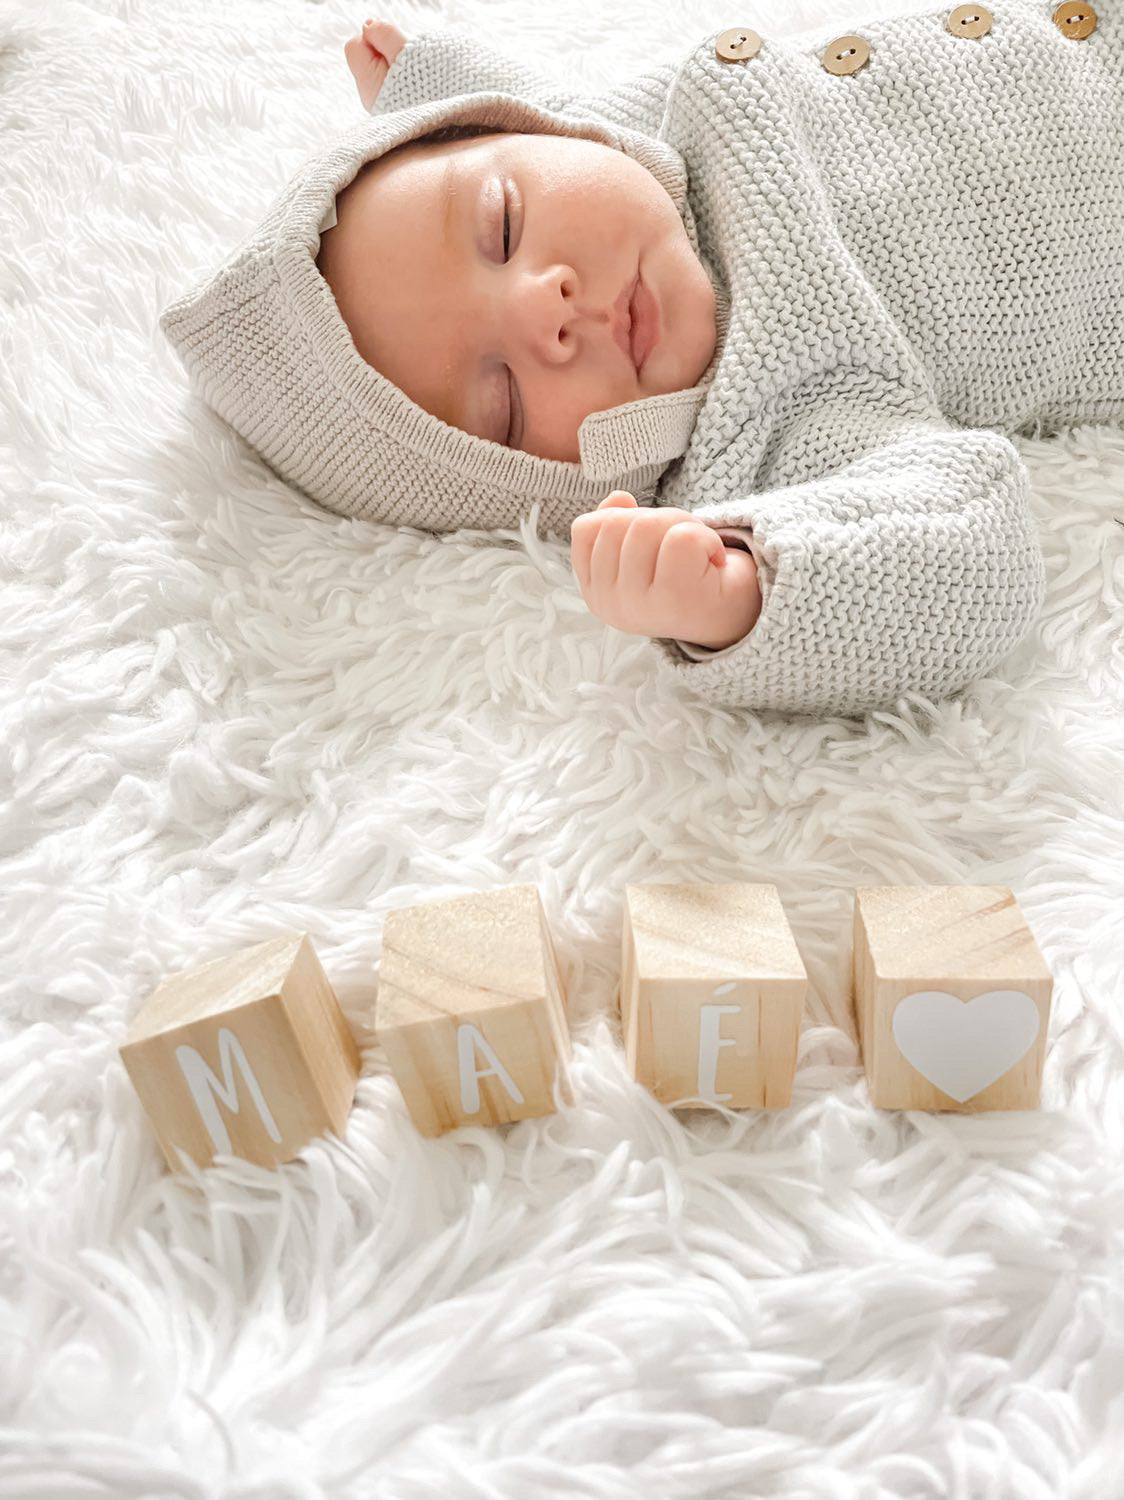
(712, 992)
(471, 1010)
(952, 998)
(249, 1055)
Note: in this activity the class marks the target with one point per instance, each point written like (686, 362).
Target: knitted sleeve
(442, 65)
(914, 566)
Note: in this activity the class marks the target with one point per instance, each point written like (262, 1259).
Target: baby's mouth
(624, 318)
(644, 322)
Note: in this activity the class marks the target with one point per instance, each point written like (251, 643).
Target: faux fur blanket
(226, 715)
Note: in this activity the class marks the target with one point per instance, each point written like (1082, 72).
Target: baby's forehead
(360, 197)
(454, 140)
(440, 144)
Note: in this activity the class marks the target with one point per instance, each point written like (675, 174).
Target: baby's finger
(583, 534)
(703, 540)
(620, 499)
(686, 556)
(613, 526)
(638, 558)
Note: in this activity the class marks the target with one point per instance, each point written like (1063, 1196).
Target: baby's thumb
(619, 498)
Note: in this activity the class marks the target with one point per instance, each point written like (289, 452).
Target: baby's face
(515, 343)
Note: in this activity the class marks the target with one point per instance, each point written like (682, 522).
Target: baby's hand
(663, 572)
(369, 55)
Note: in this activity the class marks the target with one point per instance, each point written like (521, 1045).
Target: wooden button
(846, 54)
(737, 44)
(969, 20)
(1075, 18)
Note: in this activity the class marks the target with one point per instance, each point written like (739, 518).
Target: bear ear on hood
(266, 347)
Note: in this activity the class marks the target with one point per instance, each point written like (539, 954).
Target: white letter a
(467, 1038)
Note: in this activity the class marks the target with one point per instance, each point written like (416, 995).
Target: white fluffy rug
(226, 714)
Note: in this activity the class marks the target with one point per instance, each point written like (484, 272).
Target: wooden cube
(471, 1010)
(249, 1055)
(952, 997)
(712, 992)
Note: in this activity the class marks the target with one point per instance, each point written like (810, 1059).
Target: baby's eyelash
(511, 415)
(506, 245)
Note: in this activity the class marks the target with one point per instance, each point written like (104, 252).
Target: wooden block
(248, 1055)
(712, 991)
(952, 997)
(471, 1010)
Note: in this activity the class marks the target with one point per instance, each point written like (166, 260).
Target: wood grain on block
(952, 998)
(471, 1010)
(249, 1055)
(712, 992)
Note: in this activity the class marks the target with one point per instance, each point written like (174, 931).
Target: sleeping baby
(754, 328)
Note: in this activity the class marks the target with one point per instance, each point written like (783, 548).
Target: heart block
(952, 998)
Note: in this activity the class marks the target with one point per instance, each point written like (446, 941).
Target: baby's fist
(651, 571)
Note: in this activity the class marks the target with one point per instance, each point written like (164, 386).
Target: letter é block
(712, 992)
(248, 1056)
(952, 998)
(471, 1010)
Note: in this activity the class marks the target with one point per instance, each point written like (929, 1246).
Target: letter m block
(248, 1056)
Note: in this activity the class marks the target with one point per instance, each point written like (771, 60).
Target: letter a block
(471, 1010)
(712, 991)
(248, 1056)
(952, 998)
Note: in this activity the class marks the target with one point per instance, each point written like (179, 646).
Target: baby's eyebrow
(447, 191)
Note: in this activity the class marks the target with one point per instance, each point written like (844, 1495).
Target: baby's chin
(708, 326)
(690, 347)
(708, 344)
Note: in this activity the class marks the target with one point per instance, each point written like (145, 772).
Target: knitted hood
(266, 347)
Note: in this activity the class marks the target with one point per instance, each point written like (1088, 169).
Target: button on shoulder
(1075, 19)
(969, 20)
(737, 44)
(846, 54)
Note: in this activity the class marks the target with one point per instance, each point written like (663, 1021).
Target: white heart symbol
(963, 1046)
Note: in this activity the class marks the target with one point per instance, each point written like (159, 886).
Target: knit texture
(919, 260)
